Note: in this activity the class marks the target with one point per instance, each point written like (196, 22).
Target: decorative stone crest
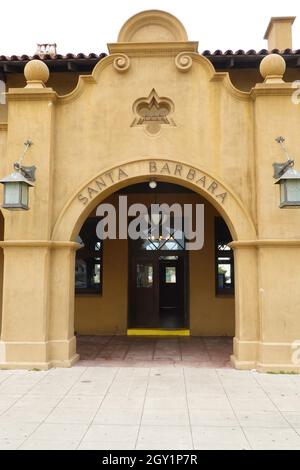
(153, 112)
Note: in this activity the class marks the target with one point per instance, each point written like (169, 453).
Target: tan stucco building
(204, 127)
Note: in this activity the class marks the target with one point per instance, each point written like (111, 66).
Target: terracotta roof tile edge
(80, 55)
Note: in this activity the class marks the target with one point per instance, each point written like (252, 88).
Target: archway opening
(126, 290)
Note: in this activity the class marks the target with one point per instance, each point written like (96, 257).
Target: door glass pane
(171, 245)
(170, 275)
(144, 275)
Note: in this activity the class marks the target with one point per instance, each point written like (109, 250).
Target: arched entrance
(155, 286)
(215, 192)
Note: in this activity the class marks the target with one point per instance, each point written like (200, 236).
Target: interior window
(224, 259)
(88, 268)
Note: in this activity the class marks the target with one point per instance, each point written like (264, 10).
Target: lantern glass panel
(12, 193)
(282, 192)
(24, 199)
(293, 190)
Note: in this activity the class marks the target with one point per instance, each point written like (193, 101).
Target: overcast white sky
(87, 25)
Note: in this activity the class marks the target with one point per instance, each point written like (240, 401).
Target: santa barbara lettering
(154, 168)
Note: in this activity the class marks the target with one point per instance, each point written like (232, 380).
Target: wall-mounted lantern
(288, 178)
(17, 184)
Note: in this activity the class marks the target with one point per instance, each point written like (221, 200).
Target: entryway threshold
(157, 332)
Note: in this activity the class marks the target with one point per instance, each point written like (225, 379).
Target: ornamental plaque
(153, 112)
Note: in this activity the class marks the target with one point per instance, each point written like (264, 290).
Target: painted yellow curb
(157, 332)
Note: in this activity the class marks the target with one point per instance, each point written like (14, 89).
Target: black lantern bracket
(281, 168)
(27, 171)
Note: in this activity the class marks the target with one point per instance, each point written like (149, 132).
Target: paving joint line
(279, 411)
(233, 410)
(143, 408)
(22, 396)
(57, 404)
(92, 421)
(188, 408)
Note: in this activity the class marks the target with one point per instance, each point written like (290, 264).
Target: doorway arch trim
(108, 181)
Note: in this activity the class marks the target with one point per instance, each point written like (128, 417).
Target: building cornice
(152, 49)
(31, 94)
(276, 89)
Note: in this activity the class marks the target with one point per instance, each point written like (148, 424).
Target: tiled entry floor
(131, 351)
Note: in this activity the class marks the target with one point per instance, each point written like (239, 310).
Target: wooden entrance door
(144, 294)
(157, 290)
(171, 292)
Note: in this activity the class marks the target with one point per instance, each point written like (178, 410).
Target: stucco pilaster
(275, 114)
(279, 298)
(31, 114)
(25, 306)
(61, 322)
(246, 307)
(27, 250)
(43, 274)
(267, 305)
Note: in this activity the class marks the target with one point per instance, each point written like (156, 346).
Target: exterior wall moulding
(153, 49)
(39, 244)
(31, 94)
(265, 243)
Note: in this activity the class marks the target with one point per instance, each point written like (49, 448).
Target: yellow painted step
(156, 332)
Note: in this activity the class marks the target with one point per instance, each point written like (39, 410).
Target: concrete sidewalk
(167, 407)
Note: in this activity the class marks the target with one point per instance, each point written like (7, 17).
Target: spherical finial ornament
(272, 68)
(36, 73)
